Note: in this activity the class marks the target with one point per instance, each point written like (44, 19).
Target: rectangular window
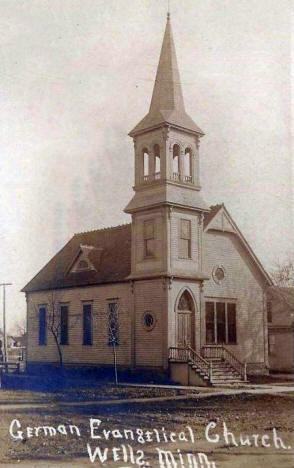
(149, 239)
(63, 324)
(209, 310)
(232, 329)
(221, 322)
(113, 325)
(42, 326)
(269, 312)
(87, 324)
(185, 239)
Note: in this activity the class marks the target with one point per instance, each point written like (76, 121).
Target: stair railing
(188, 354)
(234, 362)
(178, 354)
(220, 352)
(201, 363)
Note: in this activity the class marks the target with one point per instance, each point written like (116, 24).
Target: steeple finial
(167, 91)
(168, 10)
(167, 103)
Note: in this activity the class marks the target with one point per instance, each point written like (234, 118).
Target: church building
(178, 292)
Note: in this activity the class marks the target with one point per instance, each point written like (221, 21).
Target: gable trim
(243, 241)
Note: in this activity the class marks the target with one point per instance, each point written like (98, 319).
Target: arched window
(176, 162)
(188, 165)
(145, 163)
(185, 302)
(157, 161)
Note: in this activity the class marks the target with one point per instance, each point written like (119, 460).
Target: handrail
(188, 354)
(178, 353)
(200, 362)
(220, 351)
(198, 355)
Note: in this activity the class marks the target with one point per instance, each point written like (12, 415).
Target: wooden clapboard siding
(244, 283)
(75, 352)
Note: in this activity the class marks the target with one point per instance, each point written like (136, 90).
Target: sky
(77, 76)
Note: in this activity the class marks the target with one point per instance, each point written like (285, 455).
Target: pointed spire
(167, 91)
(167, 103)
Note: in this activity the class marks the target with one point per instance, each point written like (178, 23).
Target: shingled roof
(112, 265)
(110, 257)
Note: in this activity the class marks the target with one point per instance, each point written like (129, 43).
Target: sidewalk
(203, 393)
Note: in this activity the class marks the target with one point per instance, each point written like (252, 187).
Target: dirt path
(276, 390)
(250, 412)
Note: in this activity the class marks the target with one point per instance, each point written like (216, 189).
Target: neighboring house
(181, 274)
(19, 341)
(17, 349)
(280, 316)
(9, 339)
(10, 343)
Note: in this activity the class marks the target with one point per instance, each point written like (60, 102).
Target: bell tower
(167, 208)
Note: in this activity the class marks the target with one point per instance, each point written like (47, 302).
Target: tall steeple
(167, 103)
(167, 207)
(167, 92)
(167, 142)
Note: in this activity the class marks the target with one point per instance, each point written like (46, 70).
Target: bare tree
(283, 273)
(113, 333)
(21, 327)
(51, 320)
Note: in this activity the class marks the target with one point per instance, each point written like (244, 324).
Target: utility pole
(4, 322)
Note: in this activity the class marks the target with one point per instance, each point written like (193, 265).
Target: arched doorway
(185, 321)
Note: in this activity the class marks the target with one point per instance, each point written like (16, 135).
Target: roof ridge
(103, 229)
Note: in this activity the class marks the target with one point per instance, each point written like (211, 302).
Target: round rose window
(148, 320)
(218, 274)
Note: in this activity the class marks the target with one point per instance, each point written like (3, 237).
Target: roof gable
(83, 262)
(219, 219)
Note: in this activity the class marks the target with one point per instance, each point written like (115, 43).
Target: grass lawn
(246, 414)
